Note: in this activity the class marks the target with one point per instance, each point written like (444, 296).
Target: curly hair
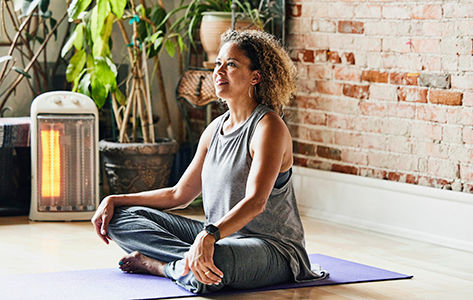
(278, 73)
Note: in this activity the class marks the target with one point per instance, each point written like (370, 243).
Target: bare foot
(136, 262)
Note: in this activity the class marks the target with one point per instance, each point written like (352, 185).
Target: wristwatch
(213, 231)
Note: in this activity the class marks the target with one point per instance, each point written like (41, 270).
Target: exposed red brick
(295, 10)
(350, 27)
(375, 76)
(303, 148)
(345, 169)
(411, 179)
(328, 87)
(350, 58)
(394, 176)
(317, 164)
(333, 57)
(308, 56)
(402, 177)
(356, 91)
(445, 97)
(412, 94)
(328, 152)
(300, 161)
(304, 55)
(404, 78)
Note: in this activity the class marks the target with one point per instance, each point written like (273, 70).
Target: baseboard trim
(406, 210)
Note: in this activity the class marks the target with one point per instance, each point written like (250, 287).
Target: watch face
(211, 229)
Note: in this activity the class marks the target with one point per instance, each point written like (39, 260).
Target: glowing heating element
(66, 163)
(50, 164)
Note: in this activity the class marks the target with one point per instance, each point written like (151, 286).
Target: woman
(253, 235)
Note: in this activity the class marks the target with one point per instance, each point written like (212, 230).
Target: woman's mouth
(221, 82)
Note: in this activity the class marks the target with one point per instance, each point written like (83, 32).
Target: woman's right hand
(102, 218)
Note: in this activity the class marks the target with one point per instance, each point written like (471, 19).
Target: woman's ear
(256, 77)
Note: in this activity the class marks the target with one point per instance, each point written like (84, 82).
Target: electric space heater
(64, 157)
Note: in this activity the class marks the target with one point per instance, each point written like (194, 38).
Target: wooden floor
(439, 272)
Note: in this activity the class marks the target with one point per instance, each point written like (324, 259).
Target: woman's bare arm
(180, 195)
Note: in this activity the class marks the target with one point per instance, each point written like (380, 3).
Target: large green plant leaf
(99, 14)
(84, 85)
(102, 80)
(75, 39)
(101, 43)
(76, 64)
(78, 41)
(118, 7)
(77, 7)
(99, 93)
(120, 97)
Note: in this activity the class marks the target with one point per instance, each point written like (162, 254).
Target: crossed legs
(157, 242)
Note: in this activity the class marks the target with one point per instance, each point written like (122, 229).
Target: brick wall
(385, 89)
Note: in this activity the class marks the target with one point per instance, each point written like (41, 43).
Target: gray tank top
(224, 176)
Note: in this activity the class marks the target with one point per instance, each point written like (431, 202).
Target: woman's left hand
(199, 260)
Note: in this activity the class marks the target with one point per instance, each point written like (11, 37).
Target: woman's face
(232, 75)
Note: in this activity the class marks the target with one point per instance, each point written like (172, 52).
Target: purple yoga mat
(113, 284)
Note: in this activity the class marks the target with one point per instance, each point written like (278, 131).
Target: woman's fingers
(186, 265)
(214, 278)
(213, 268)
(204, 273)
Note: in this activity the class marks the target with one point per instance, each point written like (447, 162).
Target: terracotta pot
(212, 26)
(136, 167)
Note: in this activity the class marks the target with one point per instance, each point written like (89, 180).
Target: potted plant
(214, 17)
(137, 160)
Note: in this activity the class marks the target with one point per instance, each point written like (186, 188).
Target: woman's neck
(239, 113)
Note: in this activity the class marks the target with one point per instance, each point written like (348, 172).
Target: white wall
(411, 211)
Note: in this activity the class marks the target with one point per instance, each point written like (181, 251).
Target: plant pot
(136, 167)
(213, 25)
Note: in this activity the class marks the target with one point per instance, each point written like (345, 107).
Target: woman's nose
(220, 69)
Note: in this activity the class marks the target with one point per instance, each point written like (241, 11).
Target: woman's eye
(231, 64)
(218, 63)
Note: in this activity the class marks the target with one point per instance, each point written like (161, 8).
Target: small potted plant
(212, 18)
(137, 160)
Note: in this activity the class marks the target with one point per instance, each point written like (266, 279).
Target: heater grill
(66, 163)
(64, 157)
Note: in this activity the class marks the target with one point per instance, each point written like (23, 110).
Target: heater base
(61, 216)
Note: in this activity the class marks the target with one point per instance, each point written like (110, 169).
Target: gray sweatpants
(246, 262)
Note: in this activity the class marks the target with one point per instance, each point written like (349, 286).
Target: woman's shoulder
(272, 121)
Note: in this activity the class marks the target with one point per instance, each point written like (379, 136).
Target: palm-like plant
(93, 70)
